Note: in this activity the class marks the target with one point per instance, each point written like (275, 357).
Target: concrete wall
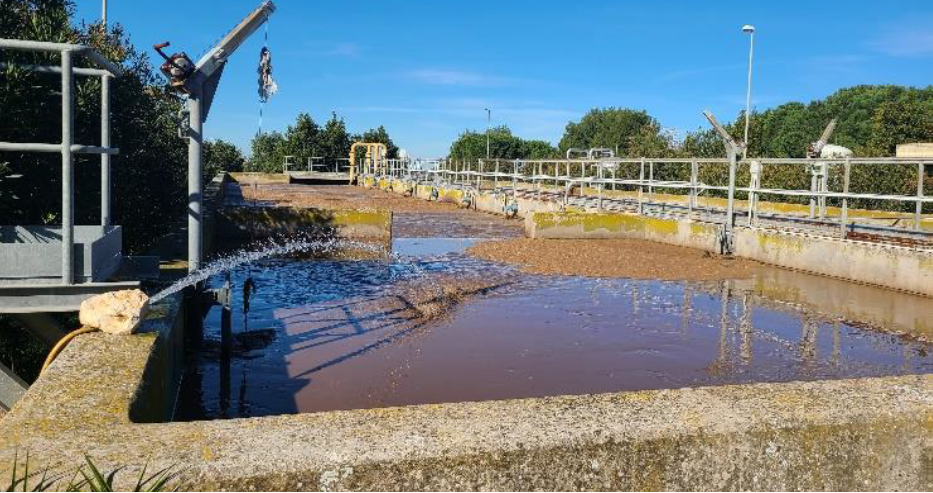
(26, 252)
(793, 436)
(261, 222)
(895, 267)
(693, 234)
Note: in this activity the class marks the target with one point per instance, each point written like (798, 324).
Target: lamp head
(748, 28)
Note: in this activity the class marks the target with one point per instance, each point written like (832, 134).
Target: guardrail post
(753, 185)
(105, 219)
(694, 173)
(730, 204)
(650, 180)
(918, 214)
(824, 187)
(844, 218)
(599, 177)
(813, 186)
(641, 188)
(68, 176)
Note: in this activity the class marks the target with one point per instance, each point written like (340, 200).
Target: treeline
(305, 139)
(148, 176)
(503, 144)
(872, 120)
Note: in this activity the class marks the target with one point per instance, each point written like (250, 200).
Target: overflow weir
(799, 382)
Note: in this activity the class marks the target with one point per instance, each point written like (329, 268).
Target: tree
(268, 153)
(221, 156)
(302, 139)
(380, 135)
(471, 145)
(148, 175)
(897, 122)
(618, 129)
(539, 149)
(334, 141)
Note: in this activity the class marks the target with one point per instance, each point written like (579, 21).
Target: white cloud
(905, 43)
(456, 78)
(350, 50)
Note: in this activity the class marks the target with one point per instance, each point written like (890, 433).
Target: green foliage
(334, 141)
(220, 156)
(539, 149)
(302, 139)
(380, 135)
(85, 478)
(623, 130)
(471, 145)
(268, 153)
(20, 351)
(148, 177)
(306, 139)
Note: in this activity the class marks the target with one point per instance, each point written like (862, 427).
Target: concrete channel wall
(100, 397)
(889, 266)
(249, 222)
(109, 397)
(767, 436)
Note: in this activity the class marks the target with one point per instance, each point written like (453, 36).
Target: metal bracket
(184, 122)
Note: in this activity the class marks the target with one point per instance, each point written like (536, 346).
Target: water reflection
(344, 339)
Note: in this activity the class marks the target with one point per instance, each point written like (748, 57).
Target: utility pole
(488, 119)
(750, 29)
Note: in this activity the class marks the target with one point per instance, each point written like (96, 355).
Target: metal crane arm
(216, 57)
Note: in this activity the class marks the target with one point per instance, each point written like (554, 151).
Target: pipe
(105, 219)
(62, 343)
(68, 176)
(195, 140)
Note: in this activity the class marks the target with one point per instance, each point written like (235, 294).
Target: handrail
(509, 173)
(29, 45)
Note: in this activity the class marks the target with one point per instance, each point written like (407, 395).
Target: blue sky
(426, 69)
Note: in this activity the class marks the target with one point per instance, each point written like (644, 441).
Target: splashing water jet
(292, 246)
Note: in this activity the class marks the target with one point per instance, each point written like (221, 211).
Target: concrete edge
(800, 435)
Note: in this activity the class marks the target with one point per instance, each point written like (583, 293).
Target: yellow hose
(60, 345)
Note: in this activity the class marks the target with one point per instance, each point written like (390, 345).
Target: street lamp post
(488, 118)
(750, 29)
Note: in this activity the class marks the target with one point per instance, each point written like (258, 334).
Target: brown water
(325, 335)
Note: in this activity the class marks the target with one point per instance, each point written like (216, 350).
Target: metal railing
(829, 182)
(316, 164)
(67, 147)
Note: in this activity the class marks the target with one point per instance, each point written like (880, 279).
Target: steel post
(105, 208)
(918, 213)
(847, 168)
(694, 172)
(730, 204)
(68, 176)
(641, 188)
(195, 141)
